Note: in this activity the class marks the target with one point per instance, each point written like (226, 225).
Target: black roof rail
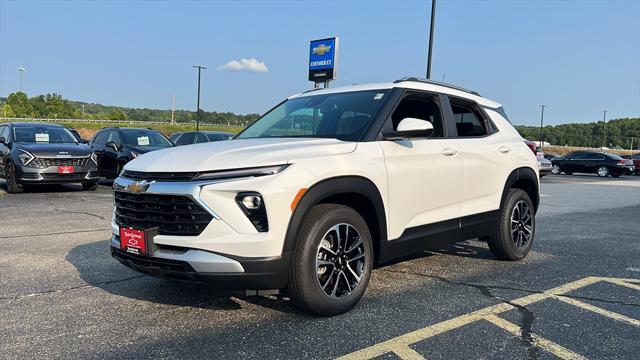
(432, 82)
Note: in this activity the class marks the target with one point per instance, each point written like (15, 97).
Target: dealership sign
(323, 55)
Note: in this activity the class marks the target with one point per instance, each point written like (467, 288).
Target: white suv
(327, 185)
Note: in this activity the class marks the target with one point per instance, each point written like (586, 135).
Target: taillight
(531, 146)
(622, 162)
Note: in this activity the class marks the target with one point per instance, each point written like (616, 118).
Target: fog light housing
(253, 207)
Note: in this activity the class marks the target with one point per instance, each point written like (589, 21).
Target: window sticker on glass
(42, 137)
(143, 140)
(378, 96)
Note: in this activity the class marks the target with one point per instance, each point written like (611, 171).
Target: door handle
(504, 149)
(449, 151)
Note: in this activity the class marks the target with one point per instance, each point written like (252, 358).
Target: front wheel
(603, 171)
(556, 170)
(90, 186)
(332, 262)
(12, 181)
(516, 227)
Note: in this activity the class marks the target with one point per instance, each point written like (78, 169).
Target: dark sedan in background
(44, 154)
(601, 163)
(196, 137)
(114, 147)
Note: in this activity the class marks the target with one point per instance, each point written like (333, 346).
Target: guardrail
(103, 121)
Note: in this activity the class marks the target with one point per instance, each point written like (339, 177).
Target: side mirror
(411, 127)
(112, 145)
(83, 141)
(3, 140)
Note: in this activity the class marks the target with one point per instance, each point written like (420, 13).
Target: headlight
(253, 207)
(94, 158)
(240, 173)
(25, 157)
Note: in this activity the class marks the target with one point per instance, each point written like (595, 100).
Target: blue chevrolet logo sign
(322, 59)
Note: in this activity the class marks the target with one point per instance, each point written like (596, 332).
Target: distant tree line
(617, 132)
(19, 105)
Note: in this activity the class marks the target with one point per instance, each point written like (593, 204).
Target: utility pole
(604, 128)
(631, 148)
(82, 110)
(21, 70)
(173, 108)
(541, 122)
(200, 68)
(433, 21)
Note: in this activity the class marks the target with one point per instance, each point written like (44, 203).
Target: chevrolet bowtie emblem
(138, 186)
(321, 49)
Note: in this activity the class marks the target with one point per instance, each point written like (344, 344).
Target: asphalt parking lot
(577, 295)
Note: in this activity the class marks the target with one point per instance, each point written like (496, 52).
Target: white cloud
(244, 65)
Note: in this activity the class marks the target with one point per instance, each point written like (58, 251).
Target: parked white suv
(327, 185)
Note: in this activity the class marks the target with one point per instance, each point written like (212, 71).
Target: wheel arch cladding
(356, 192)
(523, 178)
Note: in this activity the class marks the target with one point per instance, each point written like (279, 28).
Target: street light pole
(200, 68)
(21, 70)
(541, 122)
(433, 21)
(604, 128)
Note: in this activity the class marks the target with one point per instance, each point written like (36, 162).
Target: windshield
(43, 134)
(141, 137)
(344, 116)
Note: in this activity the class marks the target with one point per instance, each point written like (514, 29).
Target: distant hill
(55, 106)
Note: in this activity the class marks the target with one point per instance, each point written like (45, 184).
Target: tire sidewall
(606, 171)
(305, 260)
(514, 253)
(12, 182)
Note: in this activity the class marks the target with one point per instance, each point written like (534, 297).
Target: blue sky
(577, 57)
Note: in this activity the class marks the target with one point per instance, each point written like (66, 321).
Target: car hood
(55, 150)
(235, 154)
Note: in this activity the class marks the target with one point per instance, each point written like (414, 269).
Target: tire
(556, 170)
(603, 171)
(513, 242)
(90, 186)
(317, 241)
(12, 183)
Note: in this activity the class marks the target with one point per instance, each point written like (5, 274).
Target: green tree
(6, 111)
(19, 104)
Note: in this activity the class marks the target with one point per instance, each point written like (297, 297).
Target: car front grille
(65, 177)
(46, 162)
(159, 176)
(171, 214)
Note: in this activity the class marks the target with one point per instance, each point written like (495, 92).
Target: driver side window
(420, 106)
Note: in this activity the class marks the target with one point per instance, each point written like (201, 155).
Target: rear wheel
(12, 182)
(603, 171)
(516, 227)
(332, 262)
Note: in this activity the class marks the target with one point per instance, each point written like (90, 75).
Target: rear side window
(578, 156)
(468, 120)
(101, 138)
(185, 139)
(200, 138)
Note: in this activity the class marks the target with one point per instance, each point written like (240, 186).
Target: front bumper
(192, 265)
(50, 175)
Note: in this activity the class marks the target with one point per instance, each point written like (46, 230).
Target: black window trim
(401, 95)
(489, 125)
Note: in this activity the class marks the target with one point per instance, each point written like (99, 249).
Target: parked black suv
(603, 164)
(44, 154)
(196, 137)
(114, 147)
